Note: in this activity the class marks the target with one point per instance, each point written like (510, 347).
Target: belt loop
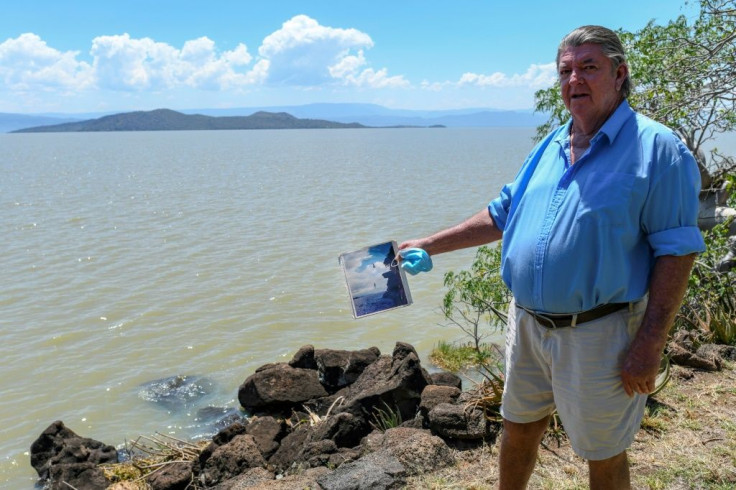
(574, 321)
(631, 307)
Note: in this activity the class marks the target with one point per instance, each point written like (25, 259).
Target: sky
(79, 56)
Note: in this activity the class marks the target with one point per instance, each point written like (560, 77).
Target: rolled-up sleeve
(499, 208)
(670, 216)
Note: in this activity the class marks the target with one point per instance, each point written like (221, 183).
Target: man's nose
(575, 77)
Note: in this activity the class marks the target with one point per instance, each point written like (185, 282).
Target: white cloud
(301, 54)
(536, 77)
(28, 63)
(122, 63)
(305, 53)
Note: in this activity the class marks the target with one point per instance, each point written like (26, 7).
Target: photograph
(375, 281)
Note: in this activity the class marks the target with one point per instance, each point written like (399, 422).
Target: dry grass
(149, 455)
(687, 441)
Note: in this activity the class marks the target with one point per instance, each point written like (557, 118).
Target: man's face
(590, 87)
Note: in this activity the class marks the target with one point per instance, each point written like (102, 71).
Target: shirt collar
(616, 121)
(610, 128)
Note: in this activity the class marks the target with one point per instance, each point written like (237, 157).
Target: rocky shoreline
(327, 419)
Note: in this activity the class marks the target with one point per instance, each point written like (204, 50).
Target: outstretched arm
(666, 290)
(475, 231)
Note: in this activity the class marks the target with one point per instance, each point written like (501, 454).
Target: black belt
(554, 320)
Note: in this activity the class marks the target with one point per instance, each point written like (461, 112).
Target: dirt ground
(687, 441)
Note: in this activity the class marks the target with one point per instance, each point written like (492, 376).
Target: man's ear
(621, 73)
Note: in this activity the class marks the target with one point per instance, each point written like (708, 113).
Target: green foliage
(458, 357)
(386, 419)
(477, 297)
(710, 302)
(684, 76)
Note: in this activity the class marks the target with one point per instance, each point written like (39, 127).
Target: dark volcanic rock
(291, 447)
(433, 395)
(304, 358)
(395, 383)
(344, 429)
(376, 471)
(80, 476)
(174, 476)
(339, 368)
(416, 449)
(58, 446)
(451, 421)
(232, 459)
(267, 432)
(443, 378)
(279, 388)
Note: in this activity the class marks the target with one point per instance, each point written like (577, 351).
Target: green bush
(709, 306)
(478, 297)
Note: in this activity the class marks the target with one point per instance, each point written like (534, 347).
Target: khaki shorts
(577, 371)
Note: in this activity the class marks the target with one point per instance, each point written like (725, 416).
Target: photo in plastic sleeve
(375, 281)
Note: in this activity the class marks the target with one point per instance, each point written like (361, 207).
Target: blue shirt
(578, 236)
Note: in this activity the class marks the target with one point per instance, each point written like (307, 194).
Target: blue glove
(415, 260)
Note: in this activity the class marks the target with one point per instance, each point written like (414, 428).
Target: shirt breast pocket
(606, 198)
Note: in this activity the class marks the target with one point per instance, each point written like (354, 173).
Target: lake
(130, 257)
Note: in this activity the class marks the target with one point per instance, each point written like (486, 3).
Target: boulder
(344, 429)
(291, 447)
(720, 352)
(267, 433)
(173, 476)
(394, 383)
(58, 446)
(339, 368)
(433, 395)
(279, 388)
(304, 358)
(80, 476)
(416, 449)
(682, 350)
(232, 459)
(376, 471)
(452, 421)
(443, 378)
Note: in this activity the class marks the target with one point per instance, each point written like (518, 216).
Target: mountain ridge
(372, 115)
(170, 120)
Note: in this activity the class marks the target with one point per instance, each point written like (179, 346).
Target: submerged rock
(176, 392)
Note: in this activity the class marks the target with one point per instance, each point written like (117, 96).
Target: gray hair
(607, 40)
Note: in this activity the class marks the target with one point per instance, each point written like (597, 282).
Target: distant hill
(11, 122)
(168, 120)
(371, 115)
(376, 115)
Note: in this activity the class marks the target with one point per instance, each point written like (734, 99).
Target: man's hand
(640, 367)
(666, 290)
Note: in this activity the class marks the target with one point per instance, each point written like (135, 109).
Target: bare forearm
(666, 290)
(477, 230)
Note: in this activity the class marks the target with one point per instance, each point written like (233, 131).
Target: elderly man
(599, 235)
